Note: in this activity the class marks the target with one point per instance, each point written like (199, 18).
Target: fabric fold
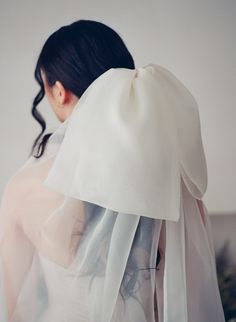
(143, 127)
(109, 225)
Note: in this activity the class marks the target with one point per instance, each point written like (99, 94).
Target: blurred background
(194, 39)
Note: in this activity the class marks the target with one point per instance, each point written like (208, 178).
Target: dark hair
(76, 54)
(141, 256)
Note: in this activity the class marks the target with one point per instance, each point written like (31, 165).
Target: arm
(16, 254)
(34, 218)
(16, 250)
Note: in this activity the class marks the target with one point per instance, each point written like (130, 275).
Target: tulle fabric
(64, 259)
(70, 259)
(143, 127)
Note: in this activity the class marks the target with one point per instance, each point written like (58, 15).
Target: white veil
(109, 225)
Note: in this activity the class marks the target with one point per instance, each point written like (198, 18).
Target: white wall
(194, 39)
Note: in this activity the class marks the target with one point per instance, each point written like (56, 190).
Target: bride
(105, 221)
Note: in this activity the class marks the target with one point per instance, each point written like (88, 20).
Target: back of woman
(105, 222)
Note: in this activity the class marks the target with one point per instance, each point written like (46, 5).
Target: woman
(105, 220)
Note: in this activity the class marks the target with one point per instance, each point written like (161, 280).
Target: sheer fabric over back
(57, 267)
(68, 255)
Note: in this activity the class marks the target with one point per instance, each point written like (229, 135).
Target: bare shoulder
(23, 181)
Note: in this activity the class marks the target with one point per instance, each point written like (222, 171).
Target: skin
(63, 102)
(61, 99)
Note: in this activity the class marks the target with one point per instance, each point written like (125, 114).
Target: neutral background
(193, 39)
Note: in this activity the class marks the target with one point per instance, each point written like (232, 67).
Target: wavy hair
(75, 55)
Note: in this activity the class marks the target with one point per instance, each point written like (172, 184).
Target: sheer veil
(109, 224)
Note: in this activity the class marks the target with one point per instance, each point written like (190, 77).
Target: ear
(60, 93)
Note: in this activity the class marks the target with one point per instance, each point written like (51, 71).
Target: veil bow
(131, 137)
(116, 185)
